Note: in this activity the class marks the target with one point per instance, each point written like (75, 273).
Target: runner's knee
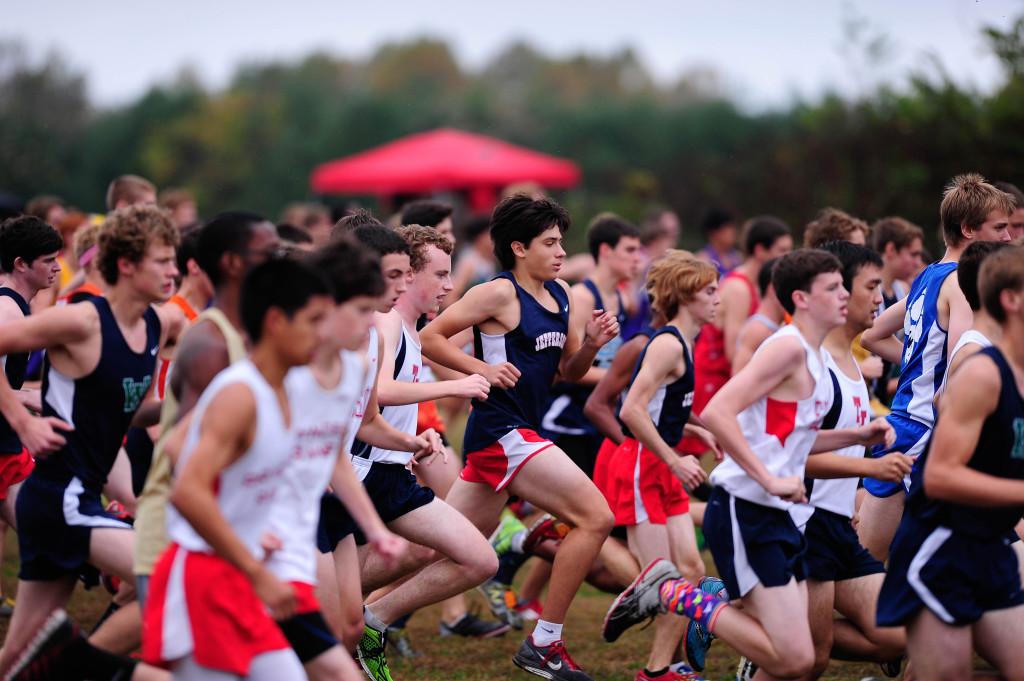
(794, 662)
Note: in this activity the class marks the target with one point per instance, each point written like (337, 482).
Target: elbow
(592, 408)
(869, 342)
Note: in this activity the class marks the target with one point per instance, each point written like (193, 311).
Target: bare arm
(750, 338)
(961, 317)
(735, 307)
(588, 332)
(601, 405)
(891, 467)
(973, 394)
(877, 432)
(881, 337)
(201, 355)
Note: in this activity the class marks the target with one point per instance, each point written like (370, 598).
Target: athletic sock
(372, 620)
(400, 622)
(508, 564)
(518, 538)
(656, 673)
(546, 633)
(93, 663)
(681, 597)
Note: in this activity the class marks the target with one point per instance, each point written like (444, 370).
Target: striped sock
(681, 597)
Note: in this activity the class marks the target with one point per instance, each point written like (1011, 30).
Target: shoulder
(498, 290)
(781, 348)
(565, 286)
(582, 295)
(9, 309)
(235, 399)
(977, 382)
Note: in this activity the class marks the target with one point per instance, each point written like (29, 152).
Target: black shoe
(41, 658)
(550, 662)
(640, 600)
(893, 668)
(472, 626)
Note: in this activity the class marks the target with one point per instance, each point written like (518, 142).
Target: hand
(426, 455)
(877, 432)
(389, 546)
(601, 328)
(707, 437)
(789, 489)
(270, 543)
(278, 596)
(871, 367)
(39, 434)
(32, 399)
(504, 375)
(688, 470)
(471, 387)
(893, 467)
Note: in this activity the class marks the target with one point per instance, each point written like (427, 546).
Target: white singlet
(780, 433)
(966, 338)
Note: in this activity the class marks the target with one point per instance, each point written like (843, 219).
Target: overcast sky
(767, 52)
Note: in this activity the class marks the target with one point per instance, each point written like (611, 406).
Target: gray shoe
(640, 601)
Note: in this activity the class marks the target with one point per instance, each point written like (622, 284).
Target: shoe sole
(629, 590)
(53, 622)
(691, 657)
(532, 670)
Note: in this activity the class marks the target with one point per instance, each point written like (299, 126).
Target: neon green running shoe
(503, 537)
(371, 654)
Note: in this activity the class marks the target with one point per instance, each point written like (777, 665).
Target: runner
(768, 319)
(953, 580)
(213, 596)
(933, 317)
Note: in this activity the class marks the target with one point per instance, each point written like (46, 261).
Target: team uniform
(834, 552)
(968, 337)
(200, 605)
(750, 533)
(500, 433)
(642, 488)
(15, 461)
(60, 502)
(564, 422)
(923, 367)
(321, 419)
(956, 559)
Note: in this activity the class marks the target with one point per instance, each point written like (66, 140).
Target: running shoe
(510, 532)
(745, 670)
(530, 611)
(502, 602)
(892, 669)
(472, 626)
(399, 641)
(698, 640)
(6, 607)
(370, 653)
(546, 527)
(676, 672)
(683, 669)
(41, 658)
(550, 662)
(640, 601)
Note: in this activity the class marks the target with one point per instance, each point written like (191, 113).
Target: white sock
(546, 633)
(517, 540)
(372, 619)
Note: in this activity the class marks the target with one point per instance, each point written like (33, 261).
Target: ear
(966, 233)
(1012, 301)
(20, 265)
(518, 249)
(890, 250)
(800, 299)
(232, 264)
(125, 267)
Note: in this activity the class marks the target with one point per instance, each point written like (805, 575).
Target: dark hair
(651, 228)
(521, 218)
(292, 234)
(262, 289)
(764, 277)
(426, 213)
(26, 237)
(853, 257)
(383, 240)
(894, 230)
(1000, 271)
(970, 266)
(608, 228)
(475, 226)
(715, 219)
(796, 271)
(228, 232)
(358, 218)
(763, 231)
(832, 224)
(351, 268)
(1011, 189)
(188, 249)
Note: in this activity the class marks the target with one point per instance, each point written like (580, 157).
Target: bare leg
(619, 562)
(36, 600)
(998, 636)
(536, 579)
(697, 509)
(878, 519)
(376, 575)
(858, 637)
(339, 592)
(333, 665)
(939, 652)
(119, 482)
(820, 603)
(649, 542)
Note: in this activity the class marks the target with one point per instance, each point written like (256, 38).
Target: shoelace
(558, 648)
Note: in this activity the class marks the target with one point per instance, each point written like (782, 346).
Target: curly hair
(419, 238)
(832, 224)
(675, 279)
(128, 232)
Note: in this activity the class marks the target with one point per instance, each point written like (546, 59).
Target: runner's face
(625, 258)
(155, 274)
(995, 228)
(299, 337)
(348, 323)
(263, 245)
(705, 303)
(865, 297)
(827, 301)
(907, 260)
(431, 285)
(44, 271)
(447, 228)
(397, 274)
(782, 246)
(1017, 224)
(545, 255)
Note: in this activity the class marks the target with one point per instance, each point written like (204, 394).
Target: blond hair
(675, 279)
(128, 232)
(130, 188)
(419, 238)
(967, 201)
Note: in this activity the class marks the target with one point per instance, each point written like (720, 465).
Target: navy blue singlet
(101, 404)
(535, 348)
(670, 407)
(15, 365)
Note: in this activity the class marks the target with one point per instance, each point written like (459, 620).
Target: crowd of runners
(239, 429)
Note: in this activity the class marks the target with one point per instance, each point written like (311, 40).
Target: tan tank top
(150, 527)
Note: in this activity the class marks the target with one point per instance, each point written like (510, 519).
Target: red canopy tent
(443, 160)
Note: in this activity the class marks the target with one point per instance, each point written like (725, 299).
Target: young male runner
(953, 579)
(523, 338)
(841, 575)
(28, 261)
(764, 322)
(933, 316)
(781, 398)
(101, 357)
(207, 615)
(615, 245)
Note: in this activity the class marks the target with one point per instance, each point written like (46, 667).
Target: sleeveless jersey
(321, 418)
(851, 408)
(408, 367)
(165, 364)
(780, 433)
(670, 407)
(999, 452)
(100, 404)
(564, 413)
(923, 364)
(14, 366)
(362, 464)
(247, 490)
(966, 338)
(709, 350)
(535, 348)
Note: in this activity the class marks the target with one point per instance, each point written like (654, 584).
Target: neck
(812, 331)
(750, 267)
(532, 285)
(887, 279)
(984, 324)
(839, 340)
(953, 253)
(687, 325)
(772, 310)
(24, 289)
(125, 303)
(226, 299)
(407, 311)
(605, 279)
(326, 357)
(191, 293)
(268, 360)
(1011, 343)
